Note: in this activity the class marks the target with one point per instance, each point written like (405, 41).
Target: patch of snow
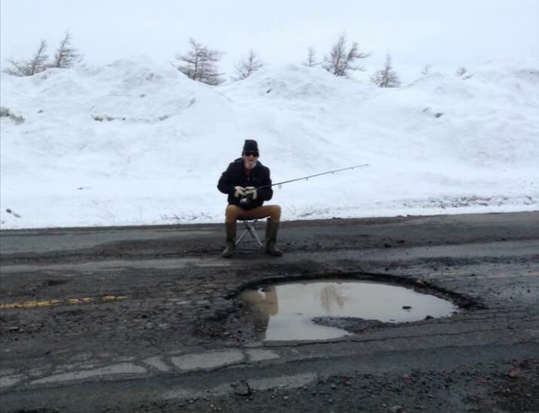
(137, 142)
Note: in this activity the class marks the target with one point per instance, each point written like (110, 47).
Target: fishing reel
(246, 200)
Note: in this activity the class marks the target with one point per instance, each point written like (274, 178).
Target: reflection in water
(285, 311)
(330, 294)
(266, 305)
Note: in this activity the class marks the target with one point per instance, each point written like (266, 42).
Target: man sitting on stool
(240, 182)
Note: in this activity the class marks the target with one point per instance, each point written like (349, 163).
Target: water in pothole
(319, 310)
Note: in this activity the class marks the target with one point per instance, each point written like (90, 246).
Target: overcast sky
(444, 33)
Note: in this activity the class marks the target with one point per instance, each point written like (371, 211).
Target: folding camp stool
(250, 228)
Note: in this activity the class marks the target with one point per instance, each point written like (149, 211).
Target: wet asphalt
(148, 319)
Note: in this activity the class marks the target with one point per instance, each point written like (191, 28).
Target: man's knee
(232, 213)
(275, 213)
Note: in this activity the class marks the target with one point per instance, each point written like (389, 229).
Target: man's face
(250, 158)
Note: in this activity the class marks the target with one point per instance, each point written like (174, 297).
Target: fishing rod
(313, 176)
(246, 199)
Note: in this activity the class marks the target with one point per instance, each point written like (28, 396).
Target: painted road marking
(49, 303)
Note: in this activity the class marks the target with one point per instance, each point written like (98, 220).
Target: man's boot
(272, 228)
(230, 240)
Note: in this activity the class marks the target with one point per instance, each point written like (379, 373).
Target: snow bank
(136, 142)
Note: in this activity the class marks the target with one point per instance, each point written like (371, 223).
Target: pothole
(326, 309)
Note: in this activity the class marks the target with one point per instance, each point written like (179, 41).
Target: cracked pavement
(148, 319)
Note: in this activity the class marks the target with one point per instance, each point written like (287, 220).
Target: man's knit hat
(250, 145)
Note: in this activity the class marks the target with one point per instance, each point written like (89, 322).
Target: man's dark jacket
(235, 176)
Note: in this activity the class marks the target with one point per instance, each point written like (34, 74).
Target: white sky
(445, 33)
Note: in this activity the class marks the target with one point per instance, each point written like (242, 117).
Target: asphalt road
(148, 319)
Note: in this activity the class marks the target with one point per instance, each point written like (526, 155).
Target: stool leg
(253, 233)
(247, 230)
(242, 235)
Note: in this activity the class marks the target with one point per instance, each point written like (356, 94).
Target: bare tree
(461, 71)
(311, 58)
(37, 64)
(426, 70)
(247, 66)
(386, 77)
(341, 59)
(66, 56)
(17, 68)
(200, 64)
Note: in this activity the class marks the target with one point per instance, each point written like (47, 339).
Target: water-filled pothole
(320, 310)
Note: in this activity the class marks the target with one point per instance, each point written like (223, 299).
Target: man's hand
(251, 191)
(240, 191)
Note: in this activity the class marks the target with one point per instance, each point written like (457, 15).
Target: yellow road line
(49, 303)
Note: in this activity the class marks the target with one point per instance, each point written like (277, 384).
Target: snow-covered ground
(136, 143)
